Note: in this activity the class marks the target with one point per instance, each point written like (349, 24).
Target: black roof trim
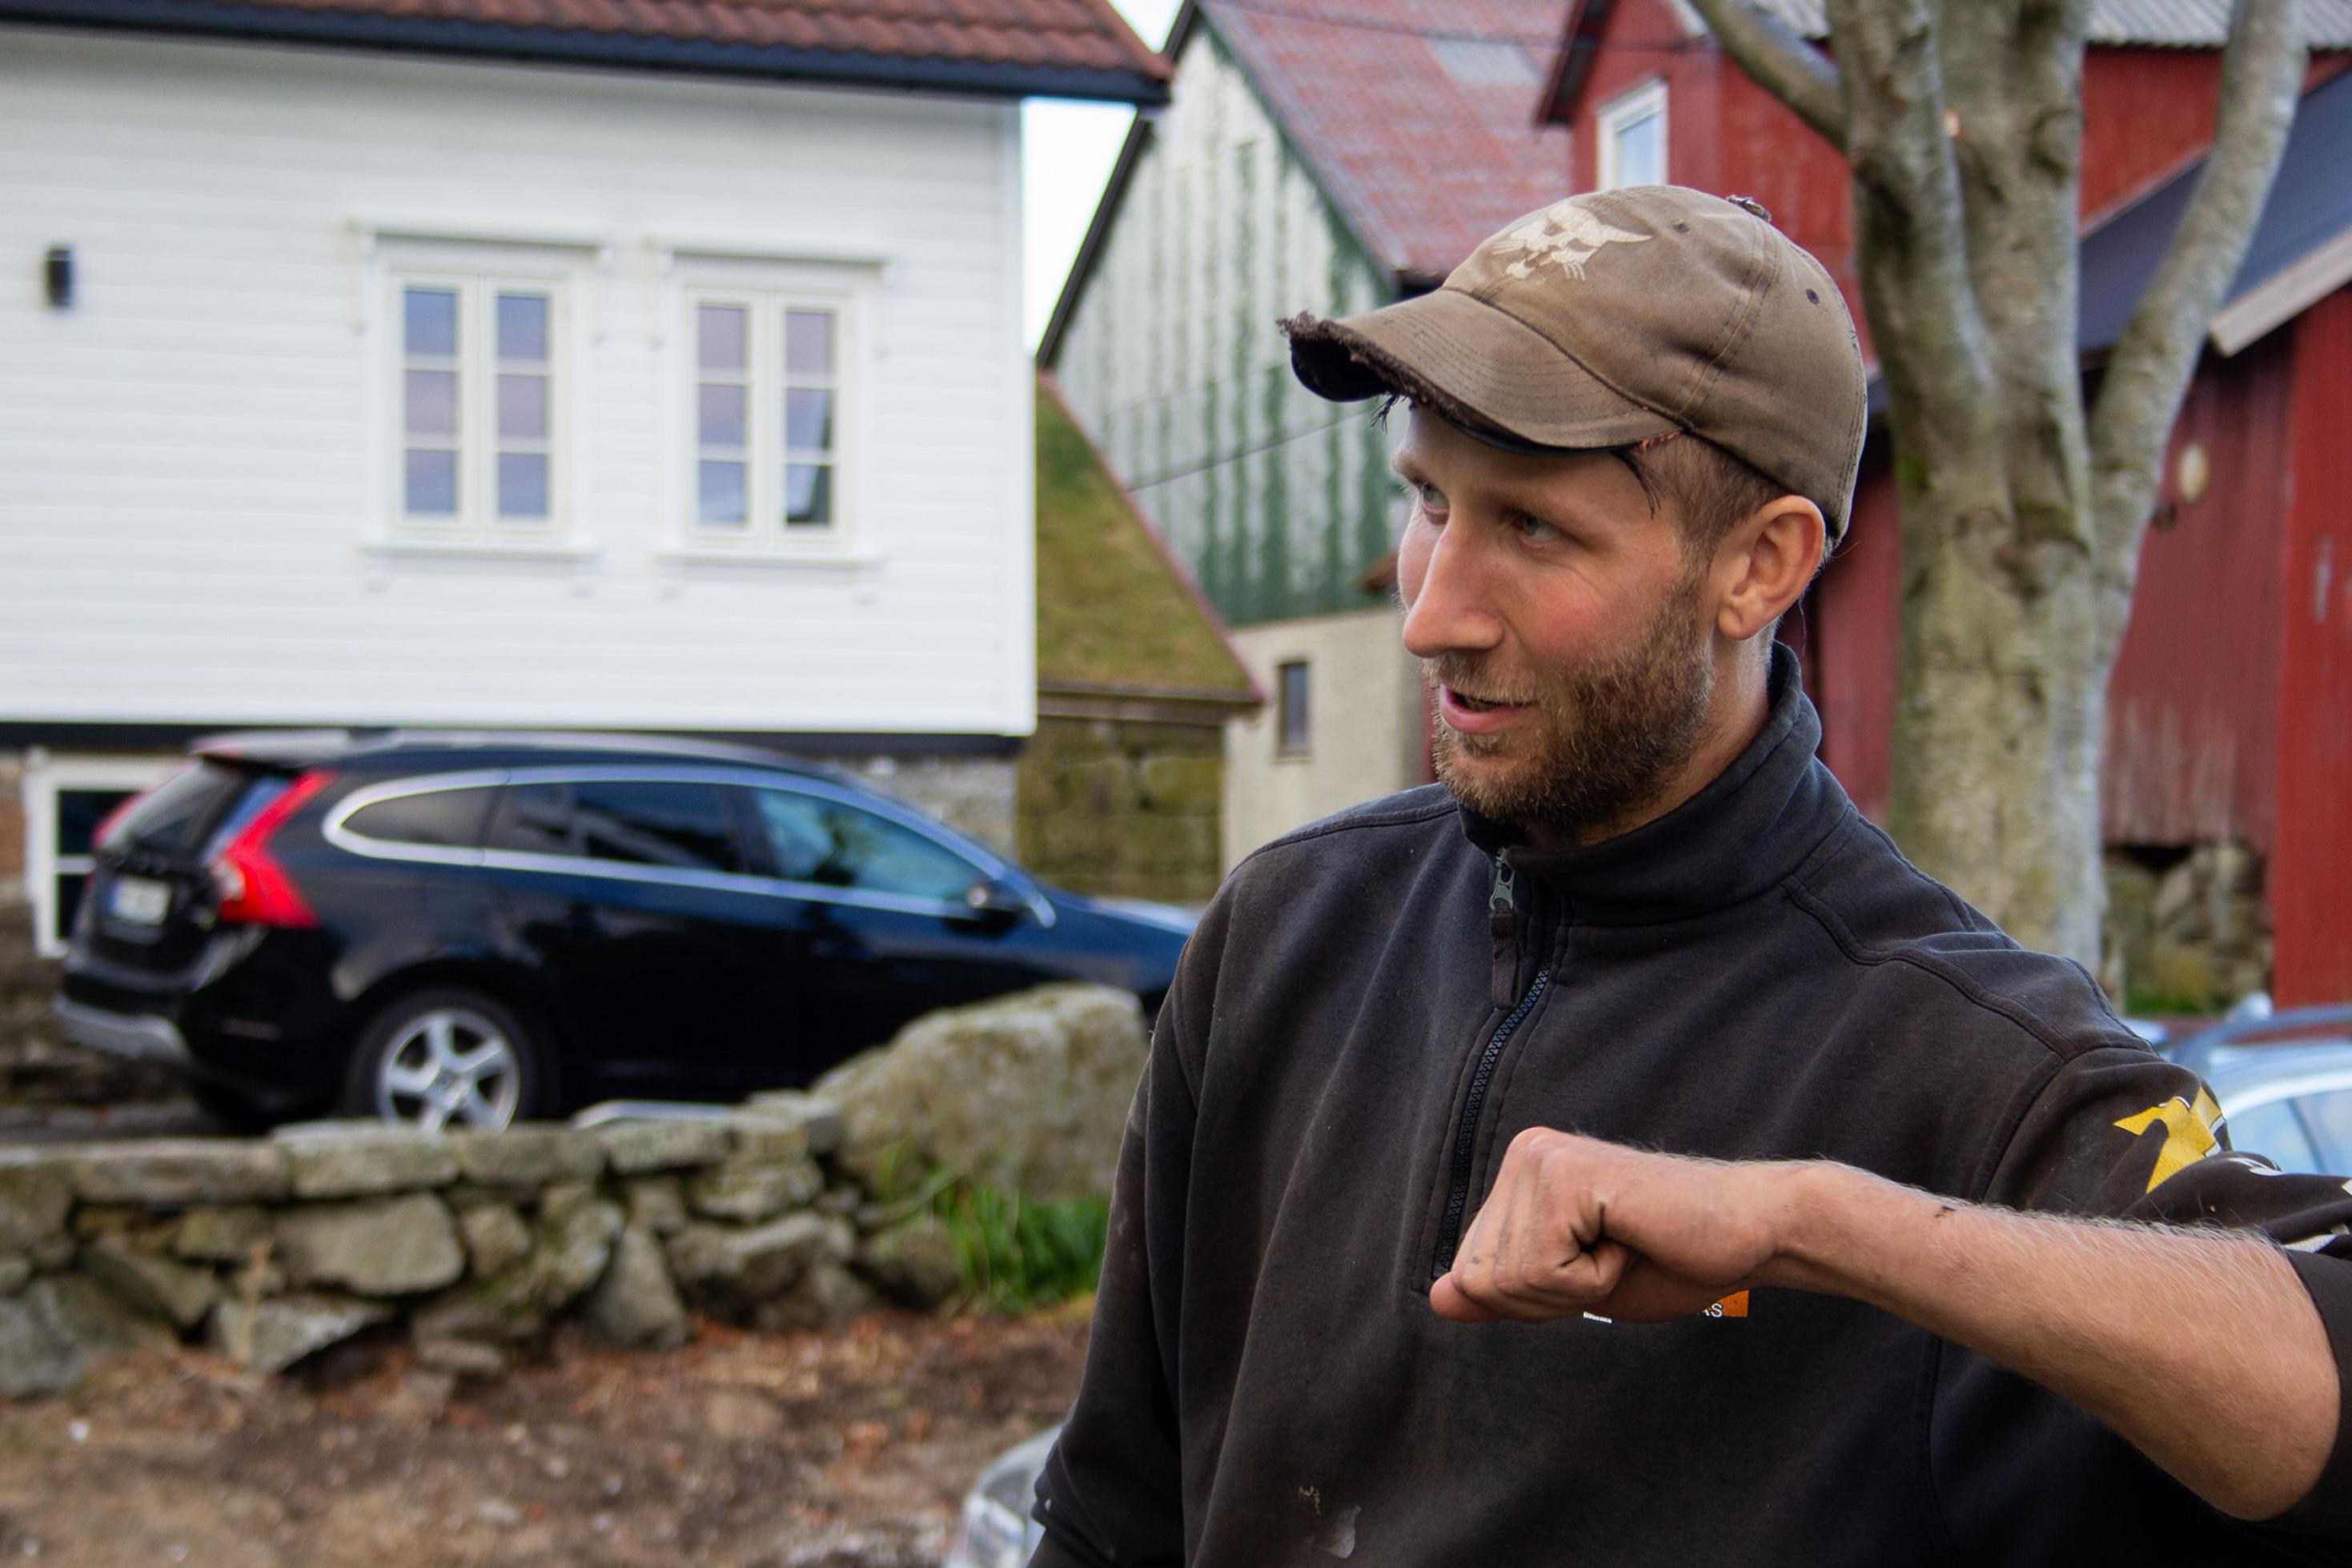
(578, 47)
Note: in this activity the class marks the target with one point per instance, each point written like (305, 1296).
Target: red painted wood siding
(1854, 637)
(2310, 886)
(2190, 705)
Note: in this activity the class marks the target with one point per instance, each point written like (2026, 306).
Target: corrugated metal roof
(2310, 206)
(1076, 47)
(2159, 23)
(1418, 116)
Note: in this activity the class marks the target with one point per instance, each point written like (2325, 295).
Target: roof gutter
(627, 51)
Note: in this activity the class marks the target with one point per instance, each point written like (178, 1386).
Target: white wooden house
(523, 363)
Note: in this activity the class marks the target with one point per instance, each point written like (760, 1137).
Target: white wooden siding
(192, 454)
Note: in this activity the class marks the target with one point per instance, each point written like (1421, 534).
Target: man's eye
(1430, 498)
(1534, 528)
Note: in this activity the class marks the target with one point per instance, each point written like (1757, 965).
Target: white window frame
(1626, 109)
(771, 285)
(43, 779)
(478, 269)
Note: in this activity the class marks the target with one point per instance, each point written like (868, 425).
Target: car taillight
(253, 888)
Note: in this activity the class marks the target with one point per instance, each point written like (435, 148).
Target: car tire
(448, 1058)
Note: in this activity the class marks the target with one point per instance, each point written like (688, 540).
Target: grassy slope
(1109, 610)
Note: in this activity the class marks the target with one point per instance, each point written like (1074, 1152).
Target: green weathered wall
(1275, 500)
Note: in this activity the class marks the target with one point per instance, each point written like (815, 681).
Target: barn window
(1632, 141)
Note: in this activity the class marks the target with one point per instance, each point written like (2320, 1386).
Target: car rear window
(180, 813)
(451, 818)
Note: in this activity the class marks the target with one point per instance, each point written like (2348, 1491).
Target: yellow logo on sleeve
(2190, 1133)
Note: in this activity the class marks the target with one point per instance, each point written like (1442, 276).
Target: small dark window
(451, 818)
(535, 819)
(175, 815)
(1290, 682)
(682, 826)
(822, 841)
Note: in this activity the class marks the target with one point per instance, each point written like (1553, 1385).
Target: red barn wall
(1853, 639)
(2190, 730)
(2310, 879)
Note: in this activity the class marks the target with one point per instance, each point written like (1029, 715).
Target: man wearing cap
(1620, 1155)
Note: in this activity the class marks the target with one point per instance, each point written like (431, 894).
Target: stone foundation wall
(2187, 930)
(271, 1249)
(1123, 808)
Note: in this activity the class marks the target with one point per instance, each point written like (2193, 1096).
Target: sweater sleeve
(1111, 1492)
(2119, 1132)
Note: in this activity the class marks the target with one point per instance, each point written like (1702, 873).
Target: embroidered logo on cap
(1563, 232)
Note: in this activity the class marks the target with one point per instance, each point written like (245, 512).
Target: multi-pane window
(1632, 138)
(479, 419)
(767, 416)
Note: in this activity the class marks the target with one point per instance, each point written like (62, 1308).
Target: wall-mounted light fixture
(57, 272)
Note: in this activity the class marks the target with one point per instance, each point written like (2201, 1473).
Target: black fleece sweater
(1371, 1008)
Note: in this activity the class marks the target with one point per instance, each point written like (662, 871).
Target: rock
(636, 1303)
(1029, 1091)
(634, 1147)
(155, 1286)
(221, 1235)
(751, 1193)
(462, 1357)
(914, 1262)
(657, 1203)
(565, 1198)
(736, 1269)
(180, 1173)
(359, 1159)
(272, 1335)
(496, 1239)
(841, 1200)
(741, 1415)
(374, 1247)
(48, 1256)
(16, 1273)
(523, 1159)
(763, 1141)
(827, 1296)
(95, 1318)
(36, 1355)
(119, 1222)
(36, 1194)
(568, 1255)
(818, 1119)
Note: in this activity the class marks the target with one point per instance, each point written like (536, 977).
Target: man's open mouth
(1480, 705)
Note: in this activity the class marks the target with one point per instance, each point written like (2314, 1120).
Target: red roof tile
(1417, 116)
(1079, 47)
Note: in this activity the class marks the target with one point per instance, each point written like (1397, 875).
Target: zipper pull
(1505, 899)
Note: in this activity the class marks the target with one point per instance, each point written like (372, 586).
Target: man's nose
(1447, 607)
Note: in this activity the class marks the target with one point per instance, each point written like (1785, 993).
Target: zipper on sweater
(1504, 902)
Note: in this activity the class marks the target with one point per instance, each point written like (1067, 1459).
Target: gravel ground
(848, 1450)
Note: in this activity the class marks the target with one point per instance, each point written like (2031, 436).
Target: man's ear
(1764, 564)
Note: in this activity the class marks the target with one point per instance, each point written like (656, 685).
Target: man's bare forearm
(2202, 1350)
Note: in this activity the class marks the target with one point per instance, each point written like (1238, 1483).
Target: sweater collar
(1745, 831)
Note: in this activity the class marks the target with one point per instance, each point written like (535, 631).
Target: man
(1617, 1155)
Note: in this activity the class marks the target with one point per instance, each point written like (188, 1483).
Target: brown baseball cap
(1615, 317)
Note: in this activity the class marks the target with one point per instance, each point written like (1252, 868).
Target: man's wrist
(1818, 1212)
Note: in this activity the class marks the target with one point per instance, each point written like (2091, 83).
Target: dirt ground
(848, 1449)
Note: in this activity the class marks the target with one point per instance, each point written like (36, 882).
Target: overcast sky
(1067, 151)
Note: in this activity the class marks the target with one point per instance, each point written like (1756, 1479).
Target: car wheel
(446, 1059)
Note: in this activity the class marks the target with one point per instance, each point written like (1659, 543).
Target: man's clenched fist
(1575, 1226)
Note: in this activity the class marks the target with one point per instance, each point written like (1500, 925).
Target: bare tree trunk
(2021, 516)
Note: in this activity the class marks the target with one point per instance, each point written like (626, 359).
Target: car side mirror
(995, 903)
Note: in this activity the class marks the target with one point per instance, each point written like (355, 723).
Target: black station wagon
(463, 930)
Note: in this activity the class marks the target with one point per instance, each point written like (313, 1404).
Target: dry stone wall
(272, 1249)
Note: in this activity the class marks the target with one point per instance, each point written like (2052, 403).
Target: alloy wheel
(450, 1067)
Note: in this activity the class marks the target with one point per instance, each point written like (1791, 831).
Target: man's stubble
(1607, 739)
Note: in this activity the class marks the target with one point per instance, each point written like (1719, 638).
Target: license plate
(136, 901)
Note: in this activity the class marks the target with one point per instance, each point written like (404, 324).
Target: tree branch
(1779, 62)
(2147, 374)
(1910, 227)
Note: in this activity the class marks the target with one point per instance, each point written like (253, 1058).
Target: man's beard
(1605, 739)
